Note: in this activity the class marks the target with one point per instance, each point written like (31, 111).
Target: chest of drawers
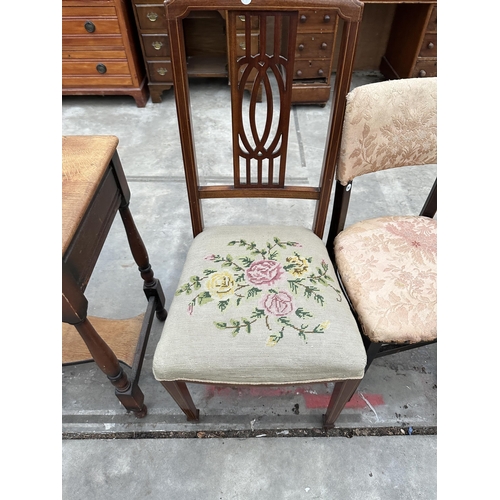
(412, 46)
(99, 50)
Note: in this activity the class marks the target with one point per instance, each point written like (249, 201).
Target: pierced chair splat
(259, 305)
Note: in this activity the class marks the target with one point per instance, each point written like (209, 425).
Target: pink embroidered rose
(278, 304)
(264, 272)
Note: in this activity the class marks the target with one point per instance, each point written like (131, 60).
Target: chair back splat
(259, 153)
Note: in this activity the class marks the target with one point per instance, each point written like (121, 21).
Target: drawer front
(315, 45)
(95, 54)
(311, 69)
(160, 71)
(429, 46)
(156, 45)
(87, 42)
(95, 68)
(432, 24)
(317, 20)
(151, 17)
(241, 44)
(88, 11)
(425, 68)
(101, 81)
(90, 26)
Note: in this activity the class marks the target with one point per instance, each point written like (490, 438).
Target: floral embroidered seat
(388, 265)
(260, 304)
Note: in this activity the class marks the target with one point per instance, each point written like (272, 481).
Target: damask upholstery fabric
(389, 124)
(259, 305)
(388, 266)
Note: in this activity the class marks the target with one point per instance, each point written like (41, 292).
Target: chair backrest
(386, 125)
(260, 148)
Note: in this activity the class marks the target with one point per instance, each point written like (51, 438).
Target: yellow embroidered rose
(221, 284)
(300, 265)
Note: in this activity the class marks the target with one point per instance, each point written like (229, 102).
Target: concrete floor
(108, 453)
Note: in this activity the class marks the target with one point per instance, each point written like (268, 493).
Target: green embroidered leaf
(294, 285)
(323, 281)
(285, 321)
(248, 325)
(246, 261)
(324, 265)
(272, 290)
(254, 291)
(232, 243)
(239, 278)
(319, 299)
(273, 255)
(204, 298)
(221, 326)
(301, 313)
(208, 272)
(258, 313)
(223, 304)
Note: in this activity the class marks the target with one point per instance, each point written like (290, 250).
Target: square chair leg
(181, 395)
(342, 392)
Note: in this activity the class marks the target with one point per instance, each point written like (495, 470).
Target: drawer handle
(321, 72)
(299, 72)
(324, 46)
(157, 45)
(301, 46)
(430, 46)
(242, 45)
(101, 68)
(89, 26)
(422, 72)
(303, 18)
(242, 18)
(162, 71)
(152, 16)
(326, 19)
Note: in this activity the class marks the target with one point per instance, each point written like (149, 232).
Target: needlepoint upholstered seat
(260, 304)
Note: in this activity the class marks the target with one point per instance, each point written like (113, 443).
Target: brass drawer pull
(430, 46)
(152, 16)
(299, 72)
(326, 19)
(162, 71)
(324, 46)
(422, 72)
(157, 45)
(321, 72)
(242, 45)
(89, 26)
(101, 68)
(301, 46)
(242, 18)
(303, 18)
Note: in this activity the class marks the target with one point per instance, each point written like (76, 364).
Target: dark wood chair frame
(241, 70)
(339, 213)
(78, 262)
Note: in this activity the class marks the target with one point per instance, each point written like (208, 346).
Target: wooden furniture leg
(152, 286)
(342, 393)
(129, 395)
(181, 395)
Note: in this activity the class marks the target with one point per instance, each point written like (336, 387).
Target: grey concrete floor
(393, 416)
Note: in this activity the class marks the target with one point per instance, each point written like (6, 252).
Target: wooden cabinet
(316, 34)
(99, 50)
(412, 46)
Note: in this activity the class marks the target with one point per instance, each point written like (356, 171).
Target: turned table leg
(152, 286)
(129, 394)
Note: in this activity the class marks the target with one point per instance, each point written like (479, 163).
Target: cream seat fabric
(259, 305)
(389, 269)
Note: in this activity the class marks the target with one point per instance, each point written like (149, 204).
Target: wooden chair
(387, 265)
(260, 305)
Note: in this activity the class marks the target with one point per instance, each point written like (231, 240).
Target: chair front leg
(180, 394)
(342, 392)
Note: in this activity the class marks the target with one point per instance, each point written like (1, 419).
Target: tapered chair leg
(181, 395)
(342, 392)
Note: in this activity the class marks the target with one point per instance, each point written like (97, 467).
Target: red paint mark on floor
(311, 400)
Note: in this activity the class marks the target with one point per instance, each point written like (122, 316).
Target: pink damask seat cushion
(388, 267)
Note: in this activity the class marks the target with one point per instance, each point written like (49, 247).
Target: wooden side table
(94, 188)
